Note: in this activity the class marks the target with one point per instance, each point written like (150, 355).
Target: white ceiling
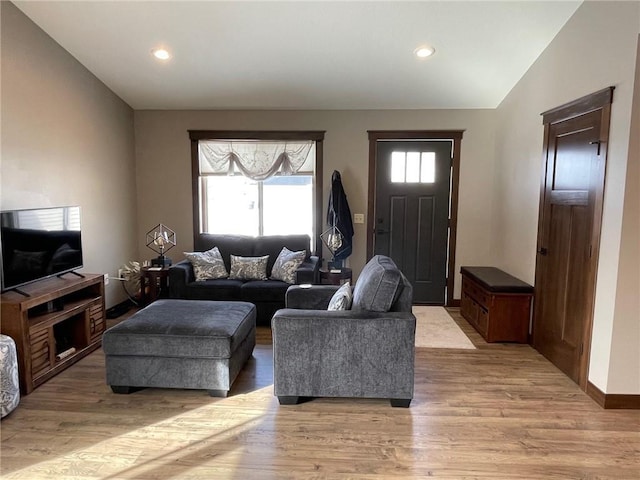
(305, 55)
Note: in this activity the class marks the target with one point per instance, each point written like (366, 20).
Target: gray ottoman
(181, 344)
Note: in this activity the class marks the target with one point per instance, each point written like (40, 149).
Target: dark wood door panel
(570, 197)
(394, 236)
(427, 244)
(559, 331)
(568, 233)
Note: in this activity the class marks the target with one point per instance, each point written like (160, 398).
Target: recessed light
(161, 54)
(424, 51)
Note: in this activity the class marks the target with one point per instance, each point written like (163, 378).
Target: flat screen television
(39, 243)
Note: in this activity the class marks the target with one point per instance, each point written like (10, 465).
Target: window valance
(256, 159)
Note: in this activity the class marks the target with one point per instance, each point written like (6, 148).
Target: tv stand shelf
(61, 321)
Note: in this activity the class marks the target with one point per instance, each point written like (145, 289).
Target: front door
(412, 212)
(568, 239)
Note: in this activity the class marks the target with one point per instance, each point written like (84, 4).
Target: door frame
(412, 135)
(600, 100)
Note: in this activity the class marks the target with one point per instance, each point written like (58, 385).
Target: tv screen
(39, 243)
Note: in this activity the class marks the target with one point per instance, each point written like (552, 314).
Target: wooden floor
(498, 412)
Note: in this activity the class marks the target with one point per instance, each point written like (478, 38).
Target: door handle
(542, 251)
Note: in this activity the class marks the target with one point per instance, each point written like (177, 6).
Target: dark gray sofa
(267, 295)
(367, 351)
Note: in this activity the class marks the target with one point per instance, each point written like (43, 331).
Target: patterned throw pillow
(207, 265)
(342, 299)
(286, 265)
(248, 268)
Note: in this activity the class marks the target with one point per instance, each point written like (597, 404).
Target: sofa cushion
(219, 289)
(263, 291)
(207, 265)
(286, 265)
(182, 329)
(378, 286)
(342, 299)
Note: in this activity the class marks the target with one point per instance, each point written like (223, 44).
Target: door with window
(412, 205)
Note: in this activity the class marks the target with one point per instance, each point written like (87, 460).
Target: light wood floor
(498, 412)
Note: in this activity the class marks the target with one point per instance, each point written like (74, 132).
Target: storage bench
(496, 304)
(195, 344)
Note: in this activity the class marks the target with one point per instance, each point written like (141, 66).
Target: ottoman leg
(218, 393)
(124, 390)
(400, 402)
(288, 400)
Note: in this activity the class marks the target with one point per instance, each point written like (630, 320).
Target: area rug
(436, 329)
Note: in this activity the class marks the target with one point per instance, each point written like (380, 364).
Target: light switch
(358, 218)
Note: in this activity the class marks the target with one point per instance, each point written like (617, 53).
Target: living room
(67, 139)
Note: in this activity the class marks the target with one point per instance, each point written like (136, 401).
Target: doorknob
(542, 251)
(380, 231)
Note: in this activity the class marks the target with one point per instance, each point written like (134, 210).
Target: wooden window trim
(316, 135)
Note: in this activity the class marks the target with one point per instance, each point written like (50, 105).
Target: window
(257, 183)
(413, 167)
(236, 204)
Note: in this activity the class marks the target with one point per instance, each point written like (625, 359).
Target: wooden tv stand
(62, 315)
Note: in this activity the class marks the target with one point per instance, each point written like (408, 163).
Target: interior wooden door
(568, 235)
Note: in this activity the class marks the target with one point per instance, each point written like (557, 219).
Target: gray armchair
(365, 352)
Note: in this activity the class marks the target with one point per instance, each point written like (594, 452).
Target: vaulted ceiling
(304, 55)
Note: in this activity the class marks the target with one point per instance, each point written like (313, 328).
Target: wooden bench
(496, 304)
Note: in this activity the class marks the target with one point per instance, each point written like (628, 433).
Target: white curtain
(256, 159)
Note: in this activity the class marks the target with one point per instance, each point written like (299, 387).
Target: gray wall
(66, 140)
(164, 166)
(595, 49)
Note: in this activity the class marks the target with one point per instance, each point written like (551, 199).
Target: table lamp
(332, 238)
(161, 239)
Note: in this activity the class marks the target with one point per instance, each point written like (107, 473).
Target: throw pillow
(379, 285)
(207, 265)
(286, 265)
(342, 299)
(248, 268)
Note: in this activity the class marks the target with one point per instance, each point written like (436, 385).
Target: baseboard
(613, 400)
(119, 309)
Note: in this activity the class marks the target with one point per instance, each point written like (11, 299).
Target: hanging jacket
(339, 215)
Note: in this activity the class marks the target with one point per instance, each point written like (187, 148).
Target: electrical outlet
(106, 279)
(358, 218)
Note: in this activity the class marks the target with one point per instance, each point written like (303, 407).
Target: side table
(335, 278)
(153, 283)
